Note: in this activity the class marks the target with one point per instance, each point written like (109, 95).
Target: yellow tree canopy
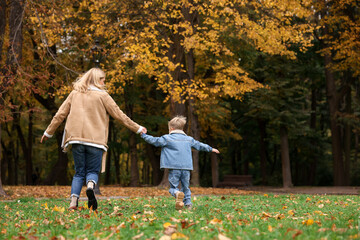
(151, 38)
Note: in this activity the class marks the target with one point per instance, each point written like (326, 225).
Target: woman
(87, 109)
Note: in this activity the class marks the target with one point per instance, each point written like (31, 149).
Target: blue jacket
(176, 149)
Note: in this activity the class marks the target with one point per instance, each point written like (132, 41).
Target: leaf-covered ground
(15, 192)
(250, 216)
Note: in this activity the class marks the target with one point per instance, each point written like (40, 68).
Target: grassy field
(212, 217)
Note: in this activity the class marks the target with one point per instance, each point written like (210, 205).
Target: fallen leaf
(265, 215)
(223, 237)
(167, 224)
(148, 205)
(308, 222)
(165, 237)
(297, 234)
(178, 235)
(138, 236)
(216, 221)
(333, 227)
(170, 230)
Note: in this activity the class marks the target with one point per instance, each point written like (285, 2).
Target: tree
(14, 54)
(338, 25)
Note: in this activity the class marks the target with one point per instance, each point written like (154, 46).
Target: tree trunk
(2, 192)
(356, 147)
(214, 169)
(333, 101)
(286, 169)
(16, 37)
(263, 151)
(26, 146)
(134, 169)
(58, 174)
(134, 180)
(2, 27)
(117, 165)
(193, 120)
(155, 164)
(214, 162)
(29, 160)
(347, 139)
(245, 156)
(313, 161)
(108, 156)
(2, 35)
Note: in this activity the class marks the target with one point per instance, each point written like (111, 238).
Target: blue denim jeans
(87, 161)
(175, 177)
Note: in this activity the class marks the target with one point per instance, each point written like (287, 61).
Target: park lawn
(212, 217)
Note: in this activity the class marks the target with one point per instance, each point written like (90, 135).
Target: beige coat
(88, 118)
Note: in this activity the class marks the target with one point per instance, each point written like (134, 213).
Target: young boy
(176, 156)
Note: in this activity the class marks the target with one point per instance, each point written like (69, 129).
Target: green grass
(236, 217)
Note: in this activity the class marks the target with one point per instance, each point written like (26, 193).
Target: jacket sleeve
(200, 146)
(156, 141)
(60, 115)
(113, 109)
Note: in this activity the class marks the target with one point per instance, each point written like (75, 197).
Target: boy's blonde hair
(91, 77)
(177, 122)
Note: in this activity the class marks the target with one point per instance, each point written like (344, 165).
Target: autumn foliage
(249, 75)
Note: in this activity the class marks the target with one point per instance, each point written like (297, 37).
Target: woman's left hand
(43, 139)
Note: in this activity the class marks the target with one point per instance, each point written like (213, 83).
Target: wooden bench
(236, 181)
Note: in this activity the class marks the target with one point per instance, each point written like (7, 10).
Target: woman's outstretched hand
(215, 150)
(43, 139)
(144, 130)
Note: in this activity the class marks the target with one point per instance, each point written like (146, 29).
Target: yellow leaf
(148, 205)
(167, 224)
(178, 235)
(265, 215)
(58, 209)
(308, 222)
(291, 212)
(216, 221)
(270, 228)
(45, 205)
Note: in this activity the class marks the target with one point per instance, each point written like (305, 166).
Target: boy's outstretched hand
(144, 130)
(215, 150)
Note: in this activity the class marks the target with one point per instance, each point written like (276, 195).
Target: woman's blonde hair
(177, 122)
(91, 77)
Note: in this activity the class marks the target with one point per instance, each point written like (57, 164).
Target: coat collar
(93, 88)
(178, 131)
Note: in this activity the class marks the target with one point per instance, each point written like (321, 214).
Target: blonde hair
(91, 77)
(177, 122)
